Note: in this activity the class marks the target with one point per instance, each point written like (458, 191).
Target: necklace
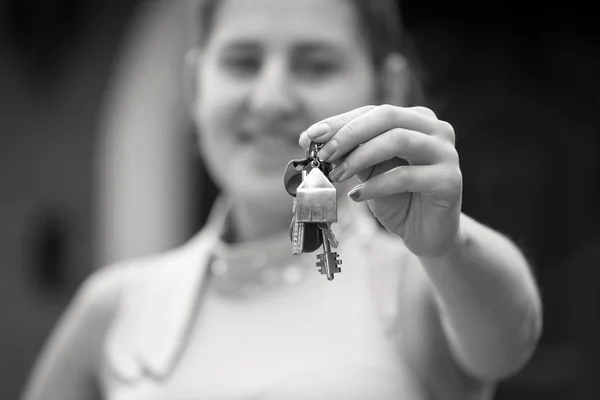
(247, 269)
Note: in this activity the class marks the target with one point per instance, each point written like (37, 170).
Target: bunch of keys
(314, 209)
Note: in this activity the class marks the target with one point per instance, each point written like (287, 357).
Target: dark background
(517, 80)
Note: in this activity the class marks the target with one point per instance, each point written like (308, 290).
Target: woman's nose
(273, 95)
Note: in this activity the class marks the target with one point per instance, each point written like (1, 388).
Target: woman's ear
(190, 79)
(395, 84)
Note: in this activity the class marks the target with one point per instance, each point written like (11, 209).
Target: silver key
(297, 237)
(328, 234)
(298, 227)
(328, 261)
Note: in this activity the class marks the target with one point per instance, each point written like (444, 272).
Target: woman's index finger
(325, 129)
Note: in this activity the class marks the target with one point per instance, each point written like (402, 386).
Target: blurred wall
(147, 178)
(55, 58)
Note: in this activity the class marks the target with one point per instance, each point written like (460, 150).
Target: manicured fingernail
(356, 192)
(338, 171)
(327, 151)
(304, 140)
(318, 130)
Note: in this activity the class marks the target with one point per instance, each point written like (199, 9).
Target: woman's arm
(488, 302)
(67, 367)
(410, 177)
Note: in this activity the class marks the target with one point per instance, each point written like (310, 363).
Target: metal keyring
(312, 155)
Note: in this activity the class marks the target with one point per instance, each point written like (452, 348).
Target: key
(328, 261)
(328, 234)
(297, 236)
(314, 209)
(308, 237)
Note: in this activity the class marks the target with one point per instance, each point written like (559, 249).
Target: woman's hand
(408, 167)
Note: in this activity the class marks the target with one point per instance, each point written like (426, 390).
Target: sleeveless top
(181, 333)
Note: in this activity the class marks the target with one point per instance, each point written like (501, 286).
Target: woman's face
(270, 69)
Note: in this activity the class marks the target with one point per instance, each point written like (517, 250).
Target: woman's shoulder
(104, 288)
(100, 297)
(156, 298)
(73, 351)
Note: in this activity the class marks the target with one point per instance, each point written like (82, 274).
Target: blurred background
(96, 147)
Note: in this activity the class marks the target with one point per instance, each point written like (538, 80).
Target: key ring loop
(313, 149)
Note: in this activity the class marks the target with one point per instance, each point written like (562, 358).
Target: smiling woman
(435, 305)
(263, 77)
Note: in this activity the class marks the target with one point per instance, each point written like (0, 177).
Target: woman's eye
(241, 65)
(316, 69)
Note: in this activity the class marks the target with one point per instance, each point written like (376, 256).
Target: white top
(276, 333)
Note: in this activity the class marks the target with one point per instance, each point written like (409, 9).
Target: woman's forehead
(286, 21)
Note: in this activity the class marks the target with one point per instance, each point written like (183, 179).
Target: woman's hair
(381, 23)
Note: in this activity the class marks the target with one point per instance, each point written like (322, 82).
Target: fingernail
(356, 192)
(327, 151)
(338, 171)
(304, 141)
(318, 130)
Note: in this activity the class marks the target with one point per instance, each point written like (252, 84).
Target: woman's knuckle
(449, 153)
(402, 173)
(339, 121)
(349, 129)
(402, 138)
(447, 131)
(425, 111)
(454, 180)
(388, 110)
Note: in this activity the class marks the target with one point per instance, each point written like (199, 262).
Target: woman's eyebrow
(316, 47)
(242, 45)
(302, 48)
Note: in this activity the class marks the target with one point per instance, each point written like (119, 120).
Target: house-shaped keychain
(316, 199)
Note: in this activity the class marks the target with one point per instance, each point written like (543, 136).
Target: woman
(435, 305)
